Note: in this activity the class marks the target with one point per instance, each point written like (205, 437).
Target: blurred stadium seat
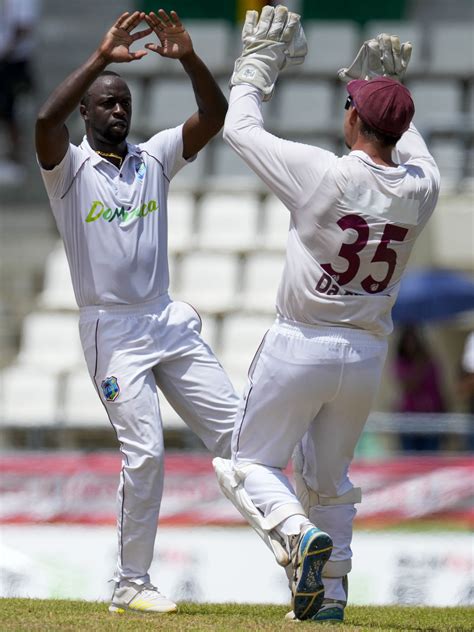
(213, 42)
(29, 396)
(171, 103)
(209, 281)
(330, 45)
(449, 155)
(451, 48)
(180, 221)
(50, 340)
(454, 217)
(262, 275)
(228, 222)
(57, 290)
(303, 106)
(437, 103)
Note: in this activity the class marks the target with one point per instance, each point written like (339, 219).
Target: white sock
(293, 524)
(333, 588)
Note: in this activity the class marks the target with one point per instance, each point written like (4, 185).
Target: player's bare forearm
(212, 106)
(51, 133)
(209, 97)
(52, 136)
(66, 97)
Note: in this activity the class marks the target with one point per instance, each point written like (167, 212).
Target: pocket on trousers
(190, 315)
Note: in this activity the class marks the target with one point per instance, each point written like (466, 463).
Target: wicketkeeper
(353, 223)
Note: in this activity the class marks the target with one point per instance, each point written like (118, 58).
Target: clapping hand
(174, 39)
(115, 46)
(382, 56)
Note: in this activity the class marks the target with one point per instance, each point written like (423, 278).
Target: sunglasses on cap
(348, 103)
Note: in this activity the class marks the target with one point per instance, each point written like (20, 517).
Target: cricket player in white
(353, 223)
(109, 199)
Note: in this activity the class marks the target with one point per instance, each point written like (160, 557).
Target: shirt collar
(132, 150)
(368, 160)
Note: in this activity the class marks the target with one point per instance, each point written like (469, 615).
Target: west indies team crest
(110, 388)
(140, 171)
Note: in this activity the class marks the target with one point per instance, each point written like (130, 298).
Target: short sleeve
(58, 180)
(167, 148)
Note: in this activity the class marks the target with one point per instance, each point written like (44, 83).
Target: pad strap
(274, 518)
(337, 569)
(281, 513)
(231, 480)
(353, 496)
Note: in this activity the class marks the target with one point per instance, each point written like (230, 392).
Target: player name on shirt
(99, 210)
(326, 285)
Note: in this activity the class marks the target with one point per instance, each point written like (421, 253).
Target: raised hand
(383, 55)
(115, 46)
(174, 39)
(271, 43)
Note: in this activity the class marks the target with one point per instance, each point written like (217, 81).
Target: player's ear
(353, 120)
(353, 116)
(83, 111)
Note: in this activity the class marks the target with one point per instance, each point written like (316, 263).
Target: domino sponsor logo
(99, 210)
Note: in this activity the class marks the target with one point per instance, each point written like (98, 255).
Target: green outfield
(45, 616)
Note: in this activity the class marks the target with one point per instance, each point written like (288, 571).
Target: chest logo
(140, 171)
(110, 388)
(99, 210)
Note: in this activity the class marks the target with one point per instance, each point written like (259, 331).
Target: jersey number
(349, 252)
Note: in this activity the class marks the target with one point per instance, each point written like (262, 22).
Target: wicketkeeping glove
(382, 56)
(271, 43)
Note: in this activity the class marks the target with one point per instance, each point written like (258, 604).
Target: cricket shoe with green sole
(331, 611)
(309, 550)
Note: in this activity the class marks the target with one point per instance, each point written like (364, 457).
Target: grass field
(46, 615)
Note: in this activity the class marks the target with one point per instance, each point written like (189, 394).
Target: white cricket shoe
(309, 551)
(144, 598)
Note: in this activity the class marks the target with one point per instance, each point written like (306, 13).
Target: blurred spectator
(418, 376)
(466, 384)
(18, 19)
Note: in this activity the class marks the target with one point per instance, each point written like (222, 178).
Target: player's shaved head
(105, 77)
(106, 108)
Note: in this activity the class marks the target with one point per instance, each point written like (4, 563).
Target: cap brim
(355, 85)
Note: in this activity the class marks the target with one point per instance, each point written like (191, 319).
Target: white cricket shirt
(114, 222)
(353, 222)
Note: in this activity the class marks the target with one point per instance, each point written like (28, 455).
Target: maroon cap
(382, 103)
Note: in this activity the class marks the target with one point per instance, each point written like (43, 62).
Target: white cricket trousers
(130, 350)
(312, 383)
